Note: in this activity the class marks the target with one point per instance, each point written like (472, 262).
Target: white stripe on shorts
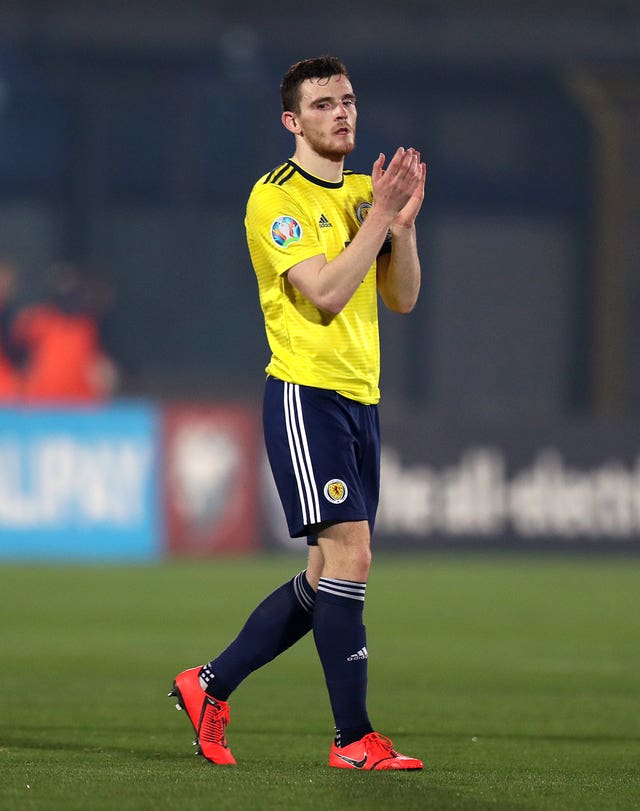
(300, 458)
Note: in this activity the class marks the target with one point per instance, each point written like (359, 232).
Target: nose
(341, 110)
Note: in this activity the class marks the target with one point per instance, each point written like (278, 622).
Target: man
(323, 242)
(65, 355)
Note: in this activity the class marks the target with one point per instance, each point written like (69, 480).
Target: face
(327, 117)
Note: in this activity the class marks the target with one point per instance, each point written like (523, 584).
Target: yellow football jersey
(291, 216)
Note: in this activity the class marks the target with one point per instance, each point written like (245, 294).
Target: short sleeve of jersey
(278, 228)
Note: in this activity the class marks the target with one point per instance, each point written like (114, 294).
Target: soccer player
(324, 242)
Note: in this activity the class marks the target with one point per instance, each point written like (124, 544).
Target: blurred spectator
(65, 357)
(9, 374)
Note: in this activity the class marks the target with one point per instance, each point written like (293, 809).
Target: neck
(323, 167)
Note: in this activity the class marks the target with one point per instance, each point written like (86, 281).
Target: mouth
(342, 131)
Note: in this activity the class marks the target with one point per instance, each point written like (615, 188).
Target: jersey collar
(326, 184)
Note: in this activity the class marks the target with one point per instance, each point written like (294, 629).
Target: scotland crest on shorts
(285, 231)
(336, 491)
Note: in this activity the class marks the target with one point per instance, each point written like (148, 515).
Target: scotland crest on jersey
(362, 211)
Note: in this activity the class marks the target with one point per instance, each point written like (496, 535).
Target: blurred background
(131, 134)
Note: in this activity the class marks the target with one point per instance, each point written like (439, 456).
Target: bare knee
(346, 551)
(315, 566)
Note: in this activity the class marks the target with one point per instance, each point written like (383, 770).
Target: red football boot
(209, 716)
(371, 752)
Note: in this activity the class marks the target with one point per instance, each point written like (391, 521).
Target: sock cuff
(305, 595)
(206, 676)
(342, 588)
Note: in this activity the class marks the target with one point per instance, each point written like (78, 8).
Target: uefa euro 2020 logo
(285, 231)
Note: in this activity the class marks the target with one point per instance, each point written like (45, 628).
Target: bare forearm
(330, 285)
(397, 195)
(399, 279)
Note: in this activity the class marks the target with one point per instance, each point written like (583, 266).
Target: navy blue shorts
(324, 451)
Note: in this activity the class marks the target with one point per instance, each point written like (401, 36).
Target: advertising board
(79, 483)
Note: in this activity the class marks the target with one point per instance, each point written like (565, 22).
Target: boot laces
(213, 725)
(383, 742)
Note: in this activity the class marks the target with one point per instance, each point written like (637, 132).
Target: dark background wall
(130, 135)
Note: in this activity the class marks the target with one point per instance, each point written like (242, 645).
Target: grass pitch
(517, 679)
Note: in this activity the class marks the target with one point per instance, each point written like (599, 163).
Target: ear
(290, 122)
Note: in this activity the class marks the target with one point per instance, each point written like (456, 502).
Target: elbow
(333, 309)
(399, 298)
(331, 304)
(409, 305)
(405, 308)
(402, 306)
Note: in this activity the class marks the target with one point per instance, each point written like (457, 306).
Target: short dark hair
(320, 67)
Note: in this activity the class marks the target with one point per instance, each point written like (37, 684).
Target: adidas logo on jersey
(361, 654)
(323, 222)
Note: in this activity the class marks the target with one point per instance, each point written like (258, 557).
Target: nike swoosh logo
(357, 764)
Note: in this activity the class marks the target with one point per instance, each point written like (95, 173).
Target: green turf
(516, 678)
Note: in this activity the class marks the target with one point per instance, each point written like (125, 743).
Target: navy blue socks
(285, 616)
(340, 639)
(280, 620)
